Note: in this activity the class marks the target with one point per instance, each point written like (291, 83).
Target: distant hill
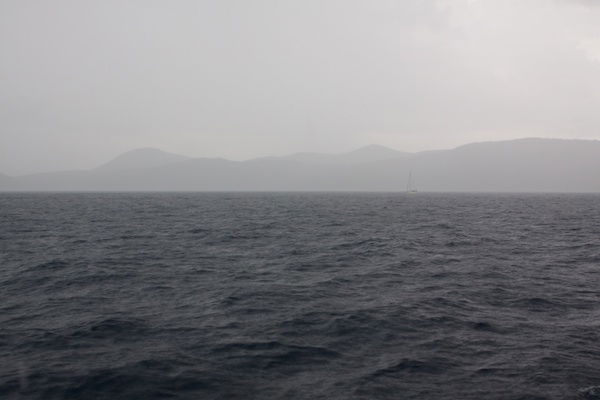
(369, 153)
(141, 158)
(5, 181)
(525, 165)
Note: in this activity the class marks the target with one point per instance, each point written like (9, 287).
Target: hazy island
(524, 165)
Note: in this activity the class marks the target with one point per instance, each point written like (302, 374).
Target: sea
(299, 296)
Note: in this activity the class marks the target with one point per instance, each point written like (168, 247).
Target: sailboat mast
(410, 188)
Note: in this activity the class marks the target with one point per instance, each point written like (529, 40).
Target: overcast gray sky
(82, 81)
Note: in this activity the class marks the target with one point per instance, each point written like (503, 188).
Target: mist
(82, 81)
(299, 199)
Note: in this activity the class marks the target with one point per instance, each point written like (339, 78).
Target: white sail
(410, 186)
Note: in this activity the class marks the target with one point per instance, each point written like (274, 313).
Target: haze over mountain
(524, 165)
(141, 158)
(82, 81)
(369, 153)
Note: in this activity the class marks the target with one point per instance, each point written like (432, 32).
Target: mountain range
(523, 165)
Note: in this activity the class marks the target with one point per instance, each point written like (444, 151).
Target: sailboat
(410, 186)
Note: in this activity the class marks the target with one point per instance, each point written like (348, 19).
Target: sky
(82, 81)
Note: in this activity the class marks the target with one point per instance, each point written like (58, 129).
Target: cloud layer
(81, 81)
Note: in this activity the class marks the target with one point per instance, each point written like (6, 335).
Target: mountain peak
(372, 153)
(146, 157)
(375, 148)
(366, 154)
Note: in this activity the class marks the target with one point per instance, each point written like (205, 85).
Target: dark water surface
(299, 296)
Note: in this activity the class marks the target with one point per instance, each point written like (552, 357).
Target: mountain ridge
(527, 165)
(145, 157)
